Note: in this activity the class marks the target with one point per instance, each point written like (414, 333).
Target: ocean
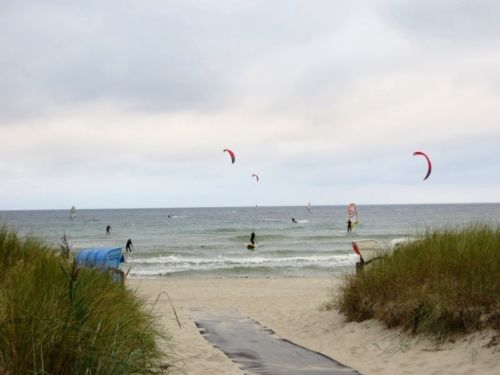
(200, 242)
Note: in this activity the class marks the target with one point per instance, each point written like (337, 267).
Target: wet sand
(294, 308)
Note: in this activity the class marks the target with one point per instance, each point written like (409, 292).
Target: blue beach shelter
(104, 258)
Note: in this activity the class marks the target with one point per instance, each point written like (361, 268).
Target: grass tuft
(447, 282)
(56, 318)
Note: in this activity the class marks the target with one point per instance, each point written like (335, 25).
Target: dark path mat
(258, 350)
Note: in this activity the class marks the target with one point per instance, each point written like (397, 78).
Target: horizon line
(266, 206)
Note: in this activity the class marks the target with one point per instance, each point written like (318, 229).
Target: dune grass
(56, 318)
(445, 283)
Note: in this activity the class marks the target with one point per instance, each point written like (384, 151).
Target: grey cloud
(154, 55)
(177, 54)
(470, 22)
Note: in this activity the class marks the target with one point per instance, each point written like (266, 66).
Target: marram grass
(446, 282)
(58, 319)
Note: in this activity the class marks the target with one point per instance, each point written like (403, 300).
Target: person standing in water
(108, 229)
(129, 247)
(252, 238)
(349, 225)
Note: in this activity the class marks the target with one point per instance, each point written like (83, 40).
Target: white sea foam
(175, 259)
(175, 264)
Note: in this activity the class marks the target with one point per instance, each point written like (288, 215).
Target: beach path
(258, 350)
(294, 308)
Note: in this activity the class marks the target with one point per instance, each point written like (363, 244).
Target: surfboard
(251, 246)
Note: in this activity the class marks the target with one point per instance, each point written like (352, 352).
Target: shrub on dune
(56, 318)
(446, 282)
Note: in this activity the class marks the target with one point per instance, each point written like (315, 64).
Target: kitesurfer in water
(294, 221)
(129, 247)
(252, 238)
(349, 225)
(108, 229)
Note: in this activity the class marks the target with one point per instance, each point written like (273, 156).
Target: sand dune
(295, 309)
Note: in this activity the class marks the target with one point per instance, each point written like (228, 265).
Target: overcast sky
(129, 103)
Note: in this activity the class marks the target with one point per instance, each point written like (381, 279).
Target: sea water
(212, 241)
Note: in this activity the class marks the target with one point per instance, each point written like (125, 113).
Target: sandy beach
(295, 309)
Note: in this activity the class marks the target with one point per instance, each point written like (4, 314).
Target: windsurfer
(349, 225)
(252, 238)
(294, 221)
(108, 229)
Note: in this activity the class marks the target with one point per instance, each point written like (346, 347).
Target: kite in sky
(429, 164)
(233, 158)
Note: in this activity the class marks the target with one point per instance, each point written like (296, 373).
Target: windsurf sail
(352, 213)
(72, 213)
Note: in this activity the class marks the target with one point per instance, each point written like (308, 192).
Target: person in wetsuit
(349, 225)
(252, 238)
(129, 247)
(108, 229)
(294, 221)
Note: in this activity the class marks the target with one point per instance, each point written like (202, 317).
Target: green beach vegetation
(56, 318)
(447, 282)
